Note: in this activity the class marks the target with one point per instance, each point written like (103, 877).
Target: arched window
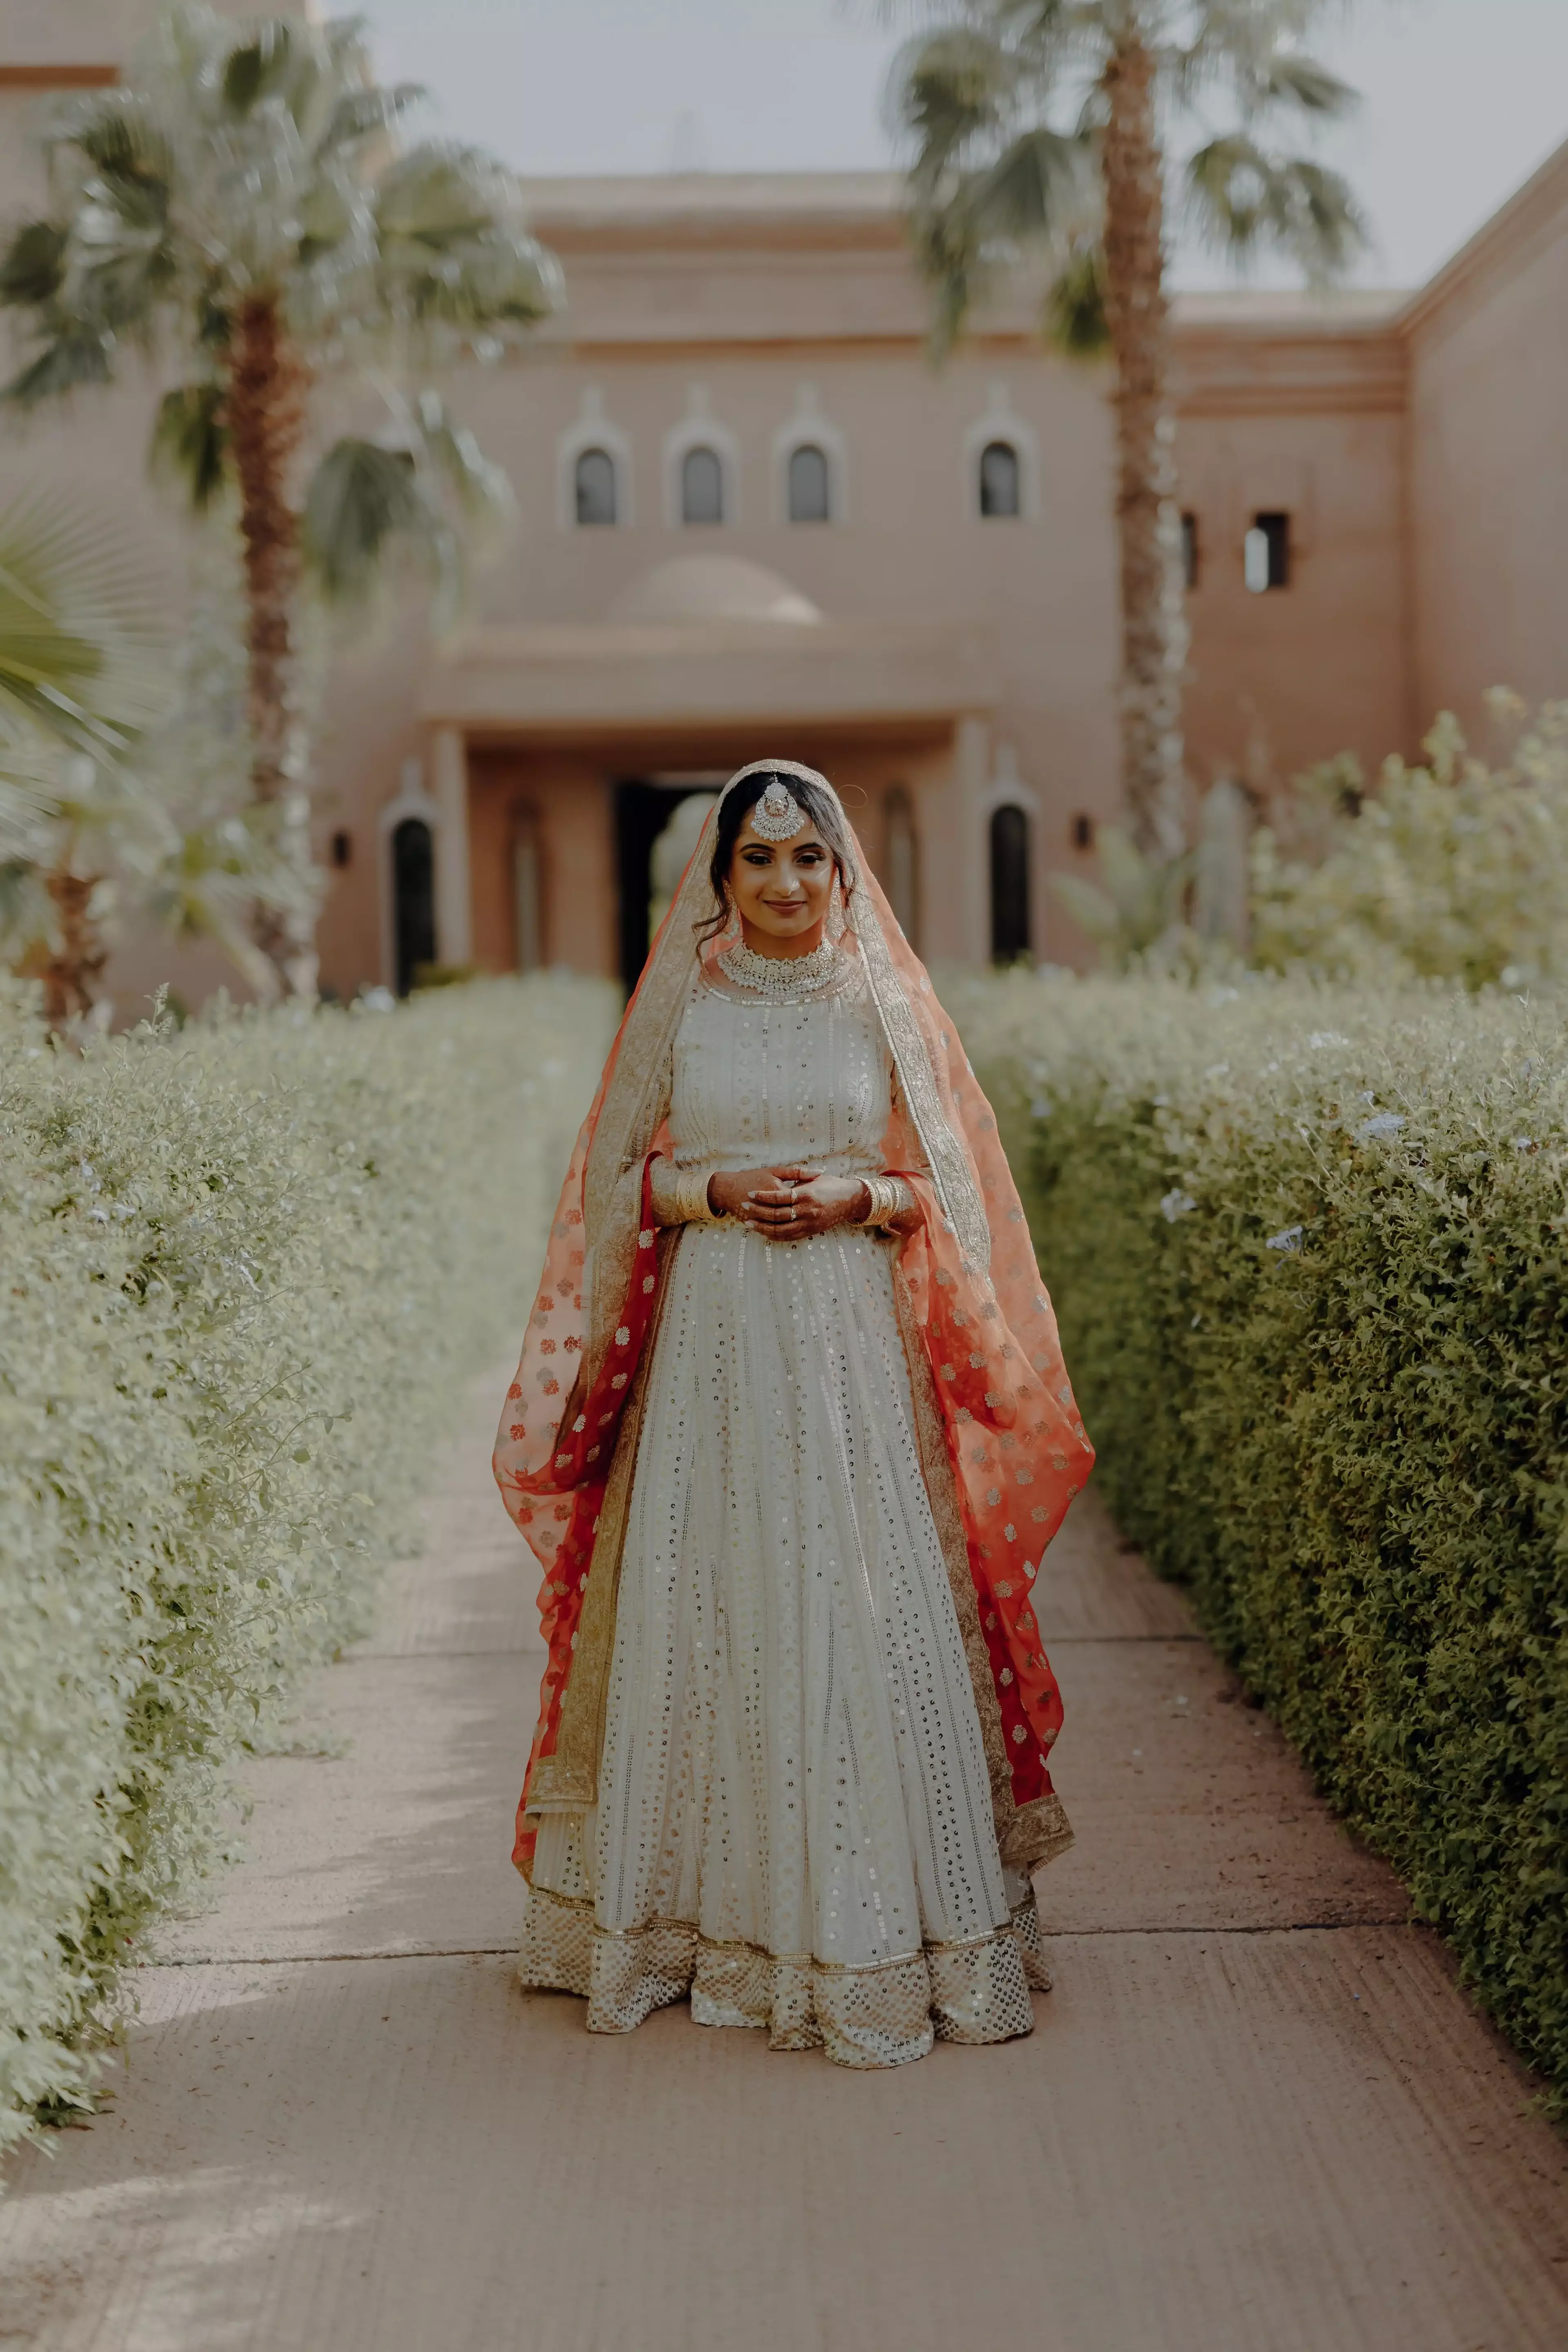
(1266, 554)
(901, 859)
(701, 487)
(1009, 885)
(595, 479)
(413, 901)
(808, 485)
(999, 484)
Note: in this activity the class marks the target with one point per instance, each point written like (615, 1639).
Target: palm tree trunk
(266, 417)
(1153, 625)
(79, 955)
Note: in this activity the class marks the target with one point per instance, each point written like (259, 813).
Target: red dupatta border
(1018, 1453)
(579, 1469)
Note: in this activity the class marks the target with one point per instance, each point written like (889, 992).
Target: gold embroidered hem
(1035, 1833)
(885, 2013)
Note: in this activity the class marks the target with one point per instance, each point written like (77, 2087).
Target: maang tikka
(778, 815)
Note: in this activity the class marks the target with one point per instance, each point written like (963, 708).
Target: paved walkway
(1255, 2114)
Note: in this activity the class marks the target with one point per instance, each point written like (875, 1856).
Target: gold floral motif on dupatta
(1026, 1835)
(635, 1105)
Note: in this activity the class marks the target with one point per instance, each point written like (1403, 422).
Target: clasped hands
(787, 1203)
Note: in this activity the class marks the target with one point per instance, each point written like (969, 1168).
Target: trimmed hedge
(1310, 1255)
(246, 1269)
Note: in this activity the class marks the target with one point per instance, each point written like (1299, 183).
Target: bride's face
(782, 888)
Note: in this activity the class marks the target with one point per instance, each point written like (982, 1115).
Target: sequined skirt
(881, 2014)
(794, 1822)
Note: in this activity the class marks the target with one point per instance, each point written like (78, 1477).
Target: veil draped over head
(1003, 1449)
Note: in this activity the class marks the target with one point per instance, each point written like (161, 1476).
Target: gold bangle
(887, 1199)
(691, 1204)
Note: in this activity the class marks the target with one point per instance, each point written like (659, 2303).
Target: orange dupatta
(1015, 1444)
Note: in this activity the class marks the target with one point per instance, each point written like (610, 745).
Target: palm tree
(1044, 124)
(245, 193)
(103, 793)
(79, 677)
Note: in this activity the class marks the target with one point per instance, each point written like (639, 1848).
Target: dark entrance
(412, 899)
(642, 811)
(1009, 885)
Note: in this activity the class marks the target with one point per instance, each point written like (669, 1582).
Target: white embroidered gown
(794, 1820)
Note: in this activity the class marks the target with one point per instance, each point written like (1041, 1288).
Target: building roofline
(1505, 241)
(814, 210)
(677, 195)
(644, 210)
(1290, 311)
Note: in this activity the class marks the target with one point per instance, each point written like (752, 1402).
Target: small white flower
(1176, 1203)
(1383, 1123)
(1290, 1239)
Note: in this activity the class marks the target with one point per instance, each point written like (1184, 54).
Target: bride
(789, 1437)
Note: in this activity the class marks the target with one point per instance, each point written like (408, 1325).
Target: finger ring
(791, 1213)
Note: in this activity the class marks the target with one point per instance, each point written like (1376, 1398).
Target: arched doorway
(413, 901)
(1010, 928)
(643, 813)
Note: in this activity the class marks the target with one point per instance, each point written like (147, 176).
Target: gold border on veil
(636, 1102)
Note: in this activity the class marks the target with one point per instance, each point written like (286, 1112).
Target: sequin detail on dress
(875, 2016)
(795, 1823)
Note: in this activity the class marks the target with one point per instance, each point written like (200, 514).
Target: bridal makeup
(782, 889)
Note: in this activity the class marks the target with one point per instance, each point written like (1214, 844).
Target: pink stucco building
(751, 518)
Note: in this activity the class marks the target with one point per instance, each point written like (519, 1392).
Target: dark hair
(733, 811)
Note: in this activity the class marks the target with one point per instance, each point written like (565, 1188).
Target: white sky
(1463, 98)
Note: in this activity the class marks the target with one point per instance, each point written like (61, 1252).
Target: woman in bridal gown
(789, 1437)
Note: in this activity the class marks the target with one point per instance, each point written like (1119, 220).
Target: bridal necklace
(783, 980)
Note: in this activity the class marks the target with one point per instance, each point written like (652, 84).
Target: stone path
(1255, 2114)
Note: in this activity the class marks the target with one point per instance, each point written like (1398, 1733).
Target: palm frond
(79, 657)
(453, 246)
(210, 881)
(262, 64)
(74, 360)
(118, 140)
(1034, 190)
(1253, 48)
(32, 268)
(1241, 196)
(1075, 320)
(29, 768)
(363, 115)
(361, 497)
(190, 442)
(948, 91)
(479, 488)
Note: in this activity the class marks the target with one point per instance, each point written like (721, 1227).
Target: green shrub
(245, 1267)
(1451, 869)
(1310, 1254)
